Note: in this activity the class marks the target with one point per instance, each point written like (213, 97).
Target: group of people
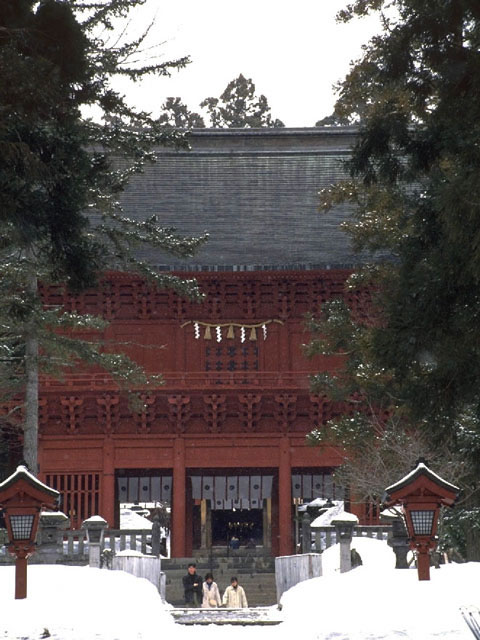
(205, 593)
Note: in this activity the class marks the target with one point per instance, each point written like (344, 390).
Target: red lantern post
(22, 498)
(421, 493)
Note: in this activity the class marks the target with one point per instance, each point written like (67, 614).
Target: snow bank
(77, 603)
(376, 555)
(377, 602)
(372, 602)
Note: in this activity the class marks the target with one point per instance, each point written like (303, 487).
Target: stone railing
(57, 546)
(75, 542)
(324, 537)
(71, 547)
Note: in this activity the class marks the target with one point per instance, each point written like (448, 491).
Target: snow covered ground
(372, 602)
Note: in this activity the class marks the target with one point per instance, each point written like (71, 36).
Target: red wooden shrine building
(223, 441)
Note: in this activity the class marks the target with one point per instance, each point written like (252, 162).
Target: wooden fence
(290, 570)
(148, 567)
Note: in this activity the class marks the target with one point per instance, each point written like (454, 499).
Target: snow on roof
(392, 512)
(96, 519)
(326, 518)
(53, 515)
(345, 517)
(420, 469)
(21, 470)
(317, 502)
(133, 520)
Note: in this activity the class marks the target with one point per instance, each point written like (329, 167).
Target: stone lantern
(95, 528)
(398, 537)
(344, 525)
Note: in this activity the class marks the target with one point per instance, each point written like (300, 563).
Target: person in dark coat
(192, 586)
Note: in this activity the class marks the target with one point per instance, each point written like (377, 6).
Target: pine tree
(238, 106)
(414, 181)
(333, 120)
(176, 114)
(57, 167)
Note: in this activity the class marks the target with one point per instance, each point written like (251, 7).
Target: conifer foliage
(176, 114)
(56, 168)
(237, 107)
(414, 181)
(240, 107)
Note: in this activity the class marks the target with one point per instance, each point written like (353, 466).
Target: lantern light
(22, 526)
(422, 522)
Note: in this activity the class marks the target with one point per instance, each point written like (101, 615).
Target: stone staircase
(255, 572)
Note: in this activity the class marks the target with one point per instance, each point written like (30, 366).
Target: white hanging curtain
(228, 492)
(144, 488)
(308, 486)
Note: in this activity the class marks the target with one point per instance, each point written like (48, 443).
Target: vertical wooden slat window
(80, 494)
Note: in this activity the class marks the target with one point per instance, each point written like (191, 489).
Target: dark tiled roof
(255, 191)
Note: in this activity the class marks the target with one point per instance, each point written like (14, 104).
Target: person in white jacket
(211, 594)
(234, 596)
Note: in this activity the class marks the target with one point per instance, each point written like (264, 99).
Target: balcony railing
(192, 380)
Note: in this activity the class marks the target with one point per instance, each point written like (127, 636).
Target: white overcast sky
(293, 50)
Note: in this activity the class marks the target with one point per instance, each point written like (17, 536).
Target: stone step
(204, 564)
(256, 595)
(259, 616)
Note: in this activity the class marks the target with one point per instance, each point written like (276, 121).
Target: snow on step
(252, 616)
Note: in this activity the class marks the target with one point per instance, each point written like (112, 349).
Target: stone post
(344, 524)
(306, 534)
(95, 527)
(398, 538)
(156, 536)
(50, 537)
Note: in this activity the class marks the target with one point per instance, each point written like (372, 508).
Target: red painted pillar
(178, 548)
(423, 564)
(285, 499)
(107, 493)
(20, 578)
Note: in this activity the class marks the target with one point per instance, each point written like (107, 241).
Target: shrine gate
(222, 442)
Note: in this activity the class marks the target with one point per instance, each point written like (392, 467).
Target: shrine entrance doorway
(232, 511)
(244, 525)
